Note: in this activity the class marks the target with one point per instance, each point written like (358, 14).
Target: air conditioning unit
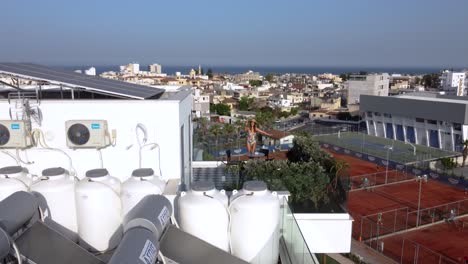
(87, 134)
(14, 134)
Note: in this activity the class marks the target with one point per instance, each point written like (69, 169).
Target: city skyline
(261, 33)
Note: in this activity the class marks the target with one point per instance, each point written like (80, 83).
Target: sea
(171, 70)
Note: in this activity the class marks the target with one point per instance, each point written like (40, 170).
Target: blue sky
(401, 33)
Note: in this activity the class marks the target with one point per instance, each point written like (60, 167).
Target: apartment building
(453, 83)
(370, 84)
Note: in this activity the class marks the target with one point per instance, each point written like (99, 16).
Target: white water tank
(203, 213)
(142, 183)
(57, 187)
(99, 211)
(14, 179)
(255, 213)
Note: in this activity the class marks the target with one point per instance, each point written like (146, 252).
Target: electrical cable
(21, 160)
(11, 156)
(100, 157)
(39, 140)
(154, 145)
(17, 252)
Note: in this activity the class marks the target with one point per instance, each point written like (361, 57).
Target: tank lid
(144, 172)
(96, 173)
(203, 186)
(12, 170)
(54, 171)
(255, 186)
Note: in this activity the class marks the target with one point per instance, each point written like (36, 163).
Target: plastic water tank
(203, 213)
(99, 211)
(142, 183)
(58, 189)
(13, 179)
(254, 233)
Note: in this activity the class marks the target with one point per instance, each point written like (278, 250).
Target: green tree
(265, 119)
(255, 83)
(269, 77)
(465, 151)
(210, 73)
(431, 80)
(220, 109)
(229, 130)
(294, 111)
(216, 131)
(223, 109)
(245, 103)
(306, 149)
(448, 163)
(345, 76)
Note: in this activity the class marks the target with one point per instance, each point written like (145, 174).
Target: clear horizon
(299, 33)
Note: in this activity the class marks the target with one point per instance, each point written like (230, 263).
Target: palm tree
(465, 151)
(338, 167)
(216, 130)
(228, 130)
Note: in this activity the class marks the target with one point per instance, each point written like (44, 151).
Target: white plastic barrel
(142, 183)
(13, 179)
(99, 211)
(57, 187)
(254, 232)
(203, 213)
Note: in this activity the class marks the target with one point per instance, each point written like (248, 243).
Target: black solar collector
(77, 80)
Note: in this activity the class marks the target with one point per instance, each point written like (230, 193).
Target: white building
(133, 68)
(431, 120)
(90, 71)
(201, 104)
(155, 68)
(137, 126)
(371, 84)
(453, 83)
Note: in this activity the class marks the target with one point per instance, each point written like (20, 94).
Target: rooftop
(72, 80)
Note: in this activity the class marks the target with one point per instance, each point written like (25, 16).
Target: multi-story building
(155, 68)
(453, 83)
(398, 82)
(201, 104)
(248, 76)
(432, 120)
(370, 84)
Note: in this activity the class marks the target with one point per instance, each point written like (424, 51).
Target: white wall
(326, 233)
(163, 119)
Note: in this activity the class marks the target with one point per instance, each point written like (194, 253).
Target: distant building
(201, 104)
(133, 68)
(453, 83)
(155, 68)
(432, 120)
(90, 71)
(371, 84)
(398, 82)
(332, 103)
(247, 77)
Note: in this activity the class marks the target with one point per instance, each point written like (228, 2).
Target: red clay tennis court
(385, 210)
(356, 166)
(440, 243)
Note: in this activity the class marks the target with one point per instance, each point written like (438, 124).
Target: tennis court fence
(402, 219)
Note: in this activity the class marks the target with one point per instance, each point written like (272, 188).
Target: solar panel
(78, 80)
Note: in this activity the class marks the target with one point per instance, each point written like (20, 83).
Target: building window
(377, 114)
(433, 122)
(457, 126)
(419, 120)
(387, 115)
(371, 122)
